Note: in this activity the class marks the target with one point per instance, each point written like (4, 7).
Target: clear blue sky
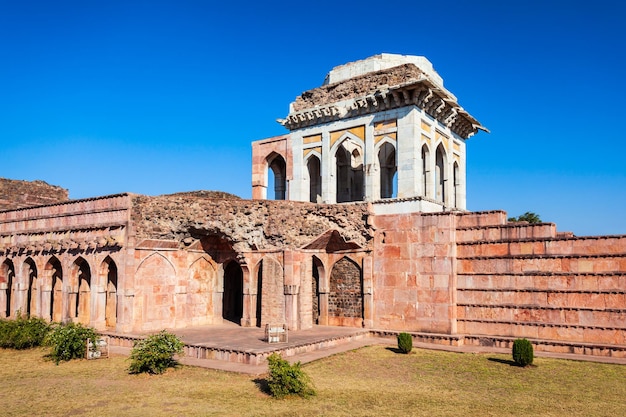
(156, 97)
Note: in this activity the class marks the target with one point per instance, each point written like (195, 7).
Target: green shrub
(155, 354)
(522, 352)
(23, 333)
(69, 341)
(405, 342)
(286, 379)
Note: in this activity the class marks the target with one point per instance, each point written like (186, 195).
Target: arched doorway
(315, 179)
(349, 172)
(109, 272)
(259, 294)
(55, 272)
(7, 278)
(345, 298)
(315, 288)
(32, 295)
(80, 293)
(232, 299)
(426, 192)
(440, 174)
(278, 166)
(387, 163)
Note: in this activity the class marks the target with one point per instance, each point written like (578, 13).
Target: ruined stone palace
(358, 218)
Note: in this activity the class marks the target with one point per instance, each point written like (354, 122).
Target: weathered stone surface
(357, 87)
(18, 194)
(248, 225)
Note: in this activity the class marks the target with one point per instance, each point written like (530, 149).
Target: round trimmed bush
(523, 354)
(405, 342)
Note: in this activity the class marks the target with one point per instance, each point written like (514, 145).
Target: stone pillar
(368, 292)
(408, 153)
(218, 295)
(323, 318)
(98, 305)
(3, 298)
(291, 306)
(371, 171)
(329, 186)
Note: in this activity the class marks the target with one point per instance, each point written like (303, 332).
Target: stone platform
(232, 348)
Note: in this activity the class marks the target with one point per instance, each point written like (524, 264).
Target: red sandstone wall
(18, 194)
(526, 281)
(414, 272)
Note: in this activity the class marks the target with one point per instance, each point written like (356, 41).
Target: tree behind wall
(529, 217)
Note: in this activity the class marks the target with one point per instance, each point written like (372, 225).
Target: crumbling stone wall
(16, 194)
(357, 87)
(248, 225)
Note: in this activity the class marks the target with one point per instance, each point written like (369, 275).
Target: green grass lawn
(373, 381)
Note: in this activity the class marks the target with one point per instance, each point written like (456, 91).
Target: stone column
(3, 298)
(98, 305)
(218, 296)
(408, 153)
(327, 171)
(368, 292)
(371, 171)
(323, 318)
(291, 306)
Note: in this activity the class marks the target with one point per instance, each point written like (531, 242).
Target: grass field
(372, 381)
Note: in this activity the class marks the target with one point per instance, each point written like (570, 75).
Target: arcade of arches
(61, 289)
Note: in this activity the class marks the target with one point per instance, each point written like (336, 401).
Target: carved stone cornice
(421, 92)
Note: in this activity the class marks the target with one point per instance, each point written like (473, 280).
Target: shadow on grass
(396, 350)
(504, 361)
(262, 385)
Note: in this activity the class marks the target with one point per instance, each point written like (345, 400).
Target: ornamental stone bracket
(421, 92)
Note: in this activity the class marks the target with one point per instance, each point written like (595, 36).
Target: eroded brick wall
(18, 194)
(345, 299)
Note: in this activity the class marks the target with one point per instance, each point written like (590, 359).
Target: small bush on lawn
(155, 354)
(286, 379)
(69, 341)
(23, 332)
(523, 352)
(405, 342)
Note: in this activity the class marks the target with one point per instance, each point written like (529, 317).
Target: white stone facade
(380, 129)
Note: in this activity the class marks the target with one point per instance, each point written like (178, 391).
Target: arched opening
(426, 171)
(457, 188)
(32, 295)
(109, 270)
(388, 169)
(259, 294)
(279, 169)
(345, 298)
(315, 179)
(349, 172)
(232, 300)
(7, 281)
(80, 292)
(440, 174)
(55, 272)
(318, 267)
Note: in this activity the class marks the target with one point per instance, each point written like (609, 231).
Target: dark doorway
(259, 295)
(232, 300)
